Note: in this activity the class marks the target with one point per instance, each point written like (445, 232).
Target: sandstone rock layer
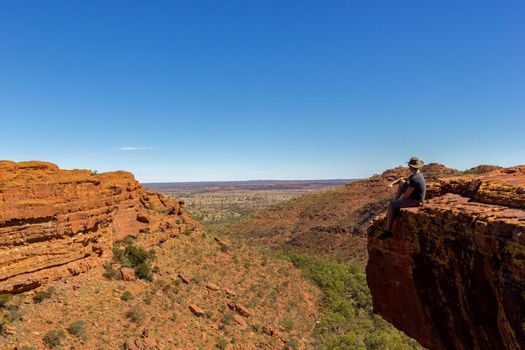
(453, 275)
(56, 223)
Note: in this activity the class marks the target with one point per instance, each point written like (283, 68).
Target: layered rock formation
(56, 223)
(453, 275)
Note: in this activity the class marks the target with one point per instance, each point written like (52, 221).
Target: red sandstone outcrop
(453, 275)
(55, 223)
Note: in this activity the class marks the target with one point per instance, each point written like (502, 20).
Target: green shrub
(126, 296)
(221, 343)
(54, 338)
(119, 254)
(2, 326)
(227, 318)
(77, 327)
(197, 279)
(288, 323)
(13, 313)
(28, 347)
(110, 272)
(143, 271)
(4, 299)
(147, 298)
(135, 257)
(136, 314)
(292, 344)
(129, 240)
(348, 340)
(44, 294)
(152, 254)
(40, 296)
(347, 320)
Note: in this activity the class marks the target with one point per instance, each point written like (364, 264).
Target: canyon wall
(453, 275)
(57, 223)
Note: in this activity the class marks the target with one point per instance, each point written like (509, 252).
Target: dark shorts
(404, 203)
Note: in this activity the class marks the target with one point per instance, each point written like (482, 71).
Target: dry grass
(280, 301)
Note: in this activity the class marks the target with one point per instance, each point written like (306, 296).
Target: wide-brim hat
(415, 162)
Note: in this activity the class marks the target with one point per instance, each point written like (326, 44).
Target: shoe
(385, 235)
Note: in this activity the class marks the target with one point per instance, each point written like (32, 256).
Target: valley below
(215, 204)
(345, 318)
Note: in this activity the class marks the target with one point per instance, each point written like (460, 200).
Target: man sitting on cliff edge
(409, 194)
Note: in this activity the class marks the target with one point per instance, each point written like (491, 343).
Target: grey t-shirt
(419, 184)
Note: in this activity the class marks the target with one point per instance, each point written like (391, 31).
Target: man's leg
(401, 188)
(392, 210)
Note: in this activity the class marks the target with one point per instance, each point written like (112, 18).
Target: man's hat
(415, 162)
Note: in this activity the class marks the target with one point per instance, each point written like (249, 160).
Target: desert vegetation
(217, 204)
(347, 320)
(127, 254)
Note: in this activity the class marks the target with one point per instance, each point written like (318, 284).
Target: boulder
(229, 292)
(240, 321)
(212, 286)
(223, 244)
(184, 278)
(127, 273)
(197, 311)
(243, 310)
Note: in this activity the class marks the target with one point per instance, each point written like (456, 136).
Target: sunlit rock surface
(56, 223)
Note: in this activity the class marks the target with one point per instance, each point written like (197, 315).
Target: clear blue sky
(232, 90)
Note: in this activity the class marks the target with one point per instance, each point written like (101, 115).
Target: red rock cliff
(55, 223)
(453, 275)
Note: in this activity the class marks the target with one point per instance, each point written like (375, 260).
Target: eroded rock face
(55, 223)
(453, 275)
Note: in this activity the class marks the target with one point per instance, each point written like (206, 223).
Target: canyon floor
(215, 204)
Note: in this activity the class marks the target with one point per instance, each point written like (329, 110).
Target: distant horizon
(261, 179)
(247, 181)
(323, 179)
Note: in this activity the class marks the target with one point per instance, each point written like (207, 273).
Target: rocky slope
(205, 294)
(56, 223)
(453, 275)
(330, 223)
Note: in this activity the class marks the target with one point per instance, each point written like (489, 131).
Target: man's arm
(395, 182)
(407, 193)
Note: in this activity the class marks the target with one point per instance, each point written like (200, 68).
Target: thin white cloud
(56, 154)
(135, 148)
